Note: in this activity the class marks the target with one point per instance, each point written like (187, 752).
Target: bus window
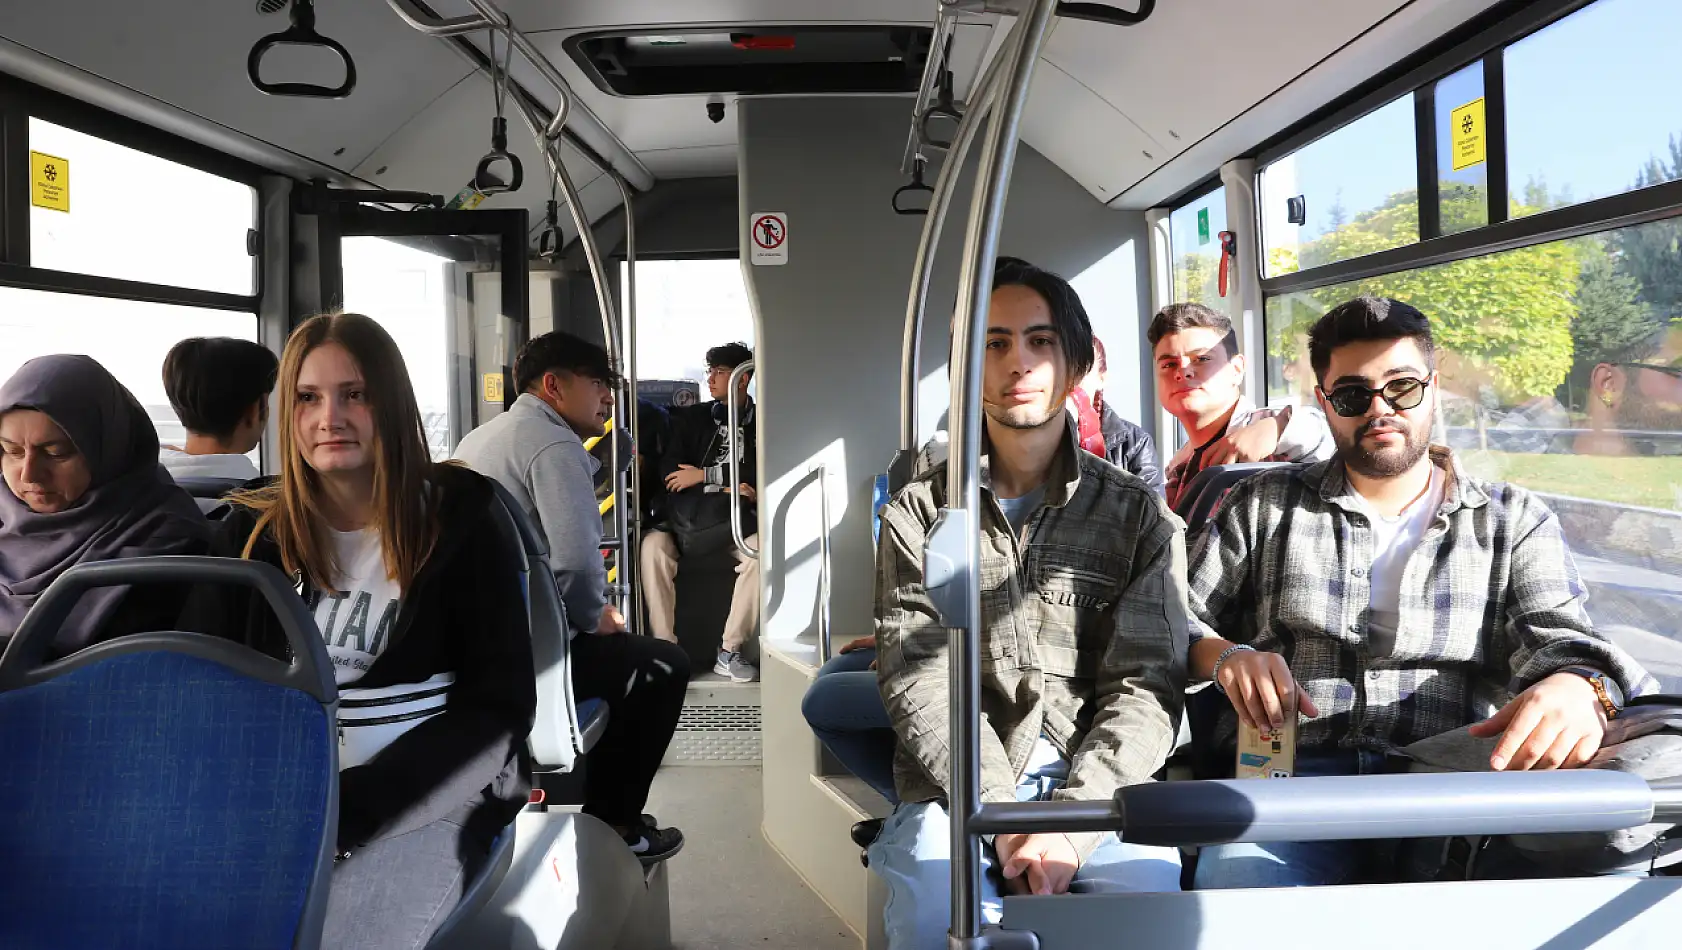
(136, 216)
(1560, 371)
(129, 338)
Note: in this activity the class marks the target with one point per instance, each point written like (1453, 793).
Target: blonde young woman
(422, 613)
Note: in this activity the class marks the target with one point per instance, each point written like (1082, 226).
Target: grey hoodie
(532, 451)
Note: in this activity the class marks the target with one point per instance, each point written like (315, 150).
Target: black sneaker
(652, 845)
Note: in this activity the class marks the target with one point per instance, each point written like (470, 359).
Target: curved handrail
(309, 669)
(734, 460)
(954, 543)
(826, 649)
(922, 268)
(301, 32)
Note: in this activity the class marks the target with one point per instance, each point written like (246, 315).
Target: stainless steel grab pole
(826, 649)
(604, 292)
(630, 564)
(922, 268)
(733, 417)
(981, 242)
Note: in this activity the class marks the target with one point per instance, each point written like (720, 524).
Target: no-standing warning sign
(768, 238)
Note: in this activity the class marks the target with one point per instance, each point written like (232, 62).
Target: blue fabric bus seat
(564, 728)
(164, 790)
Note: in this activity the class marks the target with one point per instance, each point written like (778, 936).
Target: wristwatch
(1610, 696)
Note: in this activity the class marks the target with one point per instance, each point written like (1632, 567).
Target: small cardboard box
(1271, 754)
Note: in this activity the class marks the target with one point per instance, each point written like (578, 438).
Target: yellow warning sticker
(49, 181)
(1467, 143)
(493, 387)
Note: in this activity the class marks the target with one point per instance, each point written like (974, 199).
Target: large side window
(1350, 193)
(128, 214)
(1591, 105)
(128, 337)
(1560, 370)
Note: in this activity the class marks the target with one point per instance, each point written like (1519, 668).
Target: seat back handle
(310, 669)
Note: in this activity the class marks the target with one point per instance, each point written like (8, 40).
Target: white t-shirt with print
(356, 623)
(1394, 539)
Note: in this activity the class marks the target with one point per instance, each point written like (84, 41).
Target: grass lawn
(1648, 481)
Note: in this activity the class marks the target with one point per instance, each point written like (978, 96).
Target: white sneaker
(732, 665)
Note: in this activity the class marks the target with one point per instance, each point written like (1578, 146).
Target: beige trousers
(659, 590)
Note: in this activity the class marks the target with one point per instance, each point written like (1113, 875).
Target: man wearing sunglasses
(1388, 596)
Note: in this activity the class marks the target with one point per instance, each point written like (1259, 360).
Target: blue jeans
(913, 857)
(1293, 863)
(845, 711)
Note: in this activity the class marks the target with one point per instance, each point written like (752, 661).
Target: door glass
(407, 290)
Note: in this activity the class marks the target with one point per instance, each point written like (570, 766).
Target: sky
(1589, 100)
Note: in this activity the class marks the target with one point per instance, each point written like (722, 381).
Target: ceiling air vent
(754, 61)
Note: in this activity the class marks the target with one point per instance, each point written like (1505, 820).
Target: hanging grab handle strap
(300, 33)
(915, 187)
(485, 179)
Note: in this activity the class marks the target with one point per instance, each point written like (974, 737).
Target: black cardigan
(464, 613)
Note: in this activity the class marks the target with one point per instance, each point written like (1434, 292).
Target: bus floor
(729, 890)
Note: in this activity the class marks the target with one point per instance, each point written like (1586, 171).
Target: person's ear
(1606, 385)
(1238, 365)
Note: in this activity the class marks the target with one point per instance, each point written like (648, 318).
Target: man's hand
(1036, 864)
(612, 621)
(1259, 685)
(685, 478)
(1556, 724)
(860, 643)
(1255, 442)
(747, 491)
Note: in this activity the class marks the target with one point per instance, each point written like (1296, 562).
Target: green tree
(1650, 253)
(1613, 324)
(1509, 314)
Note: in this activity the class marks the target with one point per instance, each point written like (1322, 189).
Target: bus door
(453, 289)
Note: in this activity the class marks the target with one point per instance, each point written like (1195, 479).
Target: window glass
(129, 338)
(684, 309)
(405, 290)
(1462, 151)
(1591, 107)
(135, 216)
(1194, 241)
(1358, 191)
(1560, 370)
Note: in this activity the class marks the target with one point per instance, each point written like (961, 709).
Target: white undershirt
(1394, 538)
(356, 623)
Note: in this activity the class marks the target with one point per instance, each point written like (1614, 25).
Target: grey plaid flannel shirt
(1084, 635)
(1491, 603)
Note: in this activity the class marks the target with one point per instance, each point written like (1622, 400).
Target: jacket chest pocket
(1075, 594)
(999, 619)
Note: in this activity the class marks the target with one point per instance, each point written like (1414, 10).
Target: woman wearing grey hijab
(83, 483)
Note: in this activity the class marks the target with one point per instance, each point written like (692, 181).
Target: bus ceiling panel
(437, 150)
(699, 161)
(1266, 108)
(192, 55)
(1085, 136)
(1207, 61)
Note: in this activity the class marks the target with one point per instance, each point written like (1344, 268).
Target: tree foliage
(1508, 314)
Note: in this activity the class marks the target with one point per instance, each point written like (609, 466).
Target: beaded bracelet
(1215, 674)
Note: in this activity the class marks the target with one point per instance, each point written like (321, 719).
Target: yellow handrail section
(595, 440)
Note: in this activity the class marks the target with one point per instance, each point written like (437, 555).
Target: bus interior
(812, 178)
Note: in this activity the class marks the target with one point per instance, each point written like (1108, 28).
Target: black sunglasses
(1674, 372)
(1354, 399)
